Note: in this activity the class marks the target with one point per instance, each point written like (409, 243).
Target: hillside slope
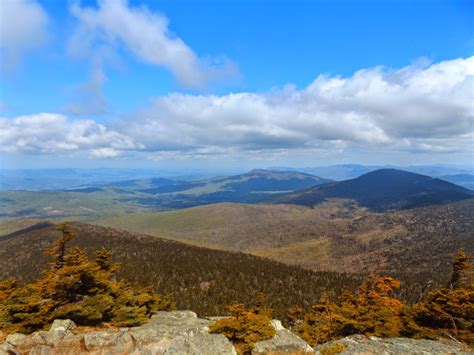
(464, 180)
(255, 186)
(155, 194)
(416, 244)
(384, 190)
(200, 279)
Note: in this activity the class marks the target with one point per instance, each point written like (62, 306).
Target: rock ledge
(182, 332)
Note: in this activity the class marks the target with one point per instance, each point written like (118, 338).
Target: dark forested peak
(384, 189)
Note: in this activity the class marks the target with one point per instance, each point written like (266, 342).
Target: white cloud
(105, 153)
(23, 26)
(146, 35)
(410, 108)
(47, 133)
(414, 110)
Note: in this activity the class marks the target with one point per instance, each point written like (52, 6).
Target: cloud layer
(413, 109)
(114, 23)
(23, 26)
(47, 133)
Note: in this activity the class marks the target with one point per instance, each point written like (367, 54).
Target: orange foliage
(246, 326)
(373, 311)
(76, 288)
(450, 311)
(370, 311)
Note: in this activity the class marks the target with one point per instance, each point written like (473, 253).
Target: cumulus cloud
(46, 133)
(410, 108)
(415, 110)
(23, 26)
(146, 35)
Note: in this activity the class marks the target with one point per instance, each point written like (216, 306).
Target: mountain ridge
(383, 190)
(204, 280)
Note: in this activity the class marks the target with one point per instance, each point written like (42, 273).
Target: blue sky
(76, 68)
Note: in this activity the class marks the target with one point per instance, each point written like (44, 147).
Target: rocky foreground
(182, 332)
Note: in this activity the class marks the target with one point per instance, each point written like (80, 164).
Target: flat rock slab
(359, 344)
(284, 341)
(182, 332)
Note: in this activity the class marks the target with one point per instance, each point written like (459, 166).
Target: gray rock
(40, 350)
(70, 344)
(119, 341)
(174, 316)
(8, 349)
(65, 325)
(16, 339)
(178, 323)
(359, 344)
(284, 341)
(145, 335)
(177, 318)
(277, 325)
(52, 338)
(153, 348)
(201, 344)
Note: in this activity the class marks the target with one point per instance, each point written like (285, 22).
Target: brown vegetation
(77, 288)
(415, 246)
(372, 310)
(245, 326)
(200, 279)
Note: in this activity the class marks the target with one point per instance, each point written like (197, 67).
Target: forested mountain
(383, 190)
(255, 186)
(154, 194)
(200, 279)
(416, 244)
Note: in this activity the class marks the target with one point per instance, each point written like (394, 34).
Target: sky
(248, 83)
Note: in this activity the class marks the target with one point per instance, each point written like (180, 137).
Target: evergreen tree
(245, 326)
(462, 271)
(450, 310)
(77, 288)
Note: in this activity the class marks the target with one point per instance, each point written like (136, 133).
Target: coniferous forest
(86, 290)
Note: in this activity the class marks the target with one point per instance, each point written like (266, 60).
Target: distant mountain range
(464, 180)
(255, 186)
(349, 171)
(380, 190)
(154, 194)
(62, 179)
(383, 190)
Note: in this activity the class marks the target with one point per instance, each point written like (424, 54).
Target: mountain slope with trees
(384, 190)
(416, 244)
(200, 279)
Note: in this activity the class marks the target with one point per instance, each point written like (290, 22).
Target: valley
(336, 236)
(200, 279)
(385, 221)
(153, 194)
(236, 177)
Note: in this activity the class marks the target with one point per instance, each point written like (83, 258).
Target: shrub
(370, 311)
(323, 323)
(77, 288)
(373, 311)
(450, 311)
(245, 326)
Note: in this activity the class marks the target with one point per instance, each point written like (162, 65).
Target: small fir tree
(245, 326)
(78, 288)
